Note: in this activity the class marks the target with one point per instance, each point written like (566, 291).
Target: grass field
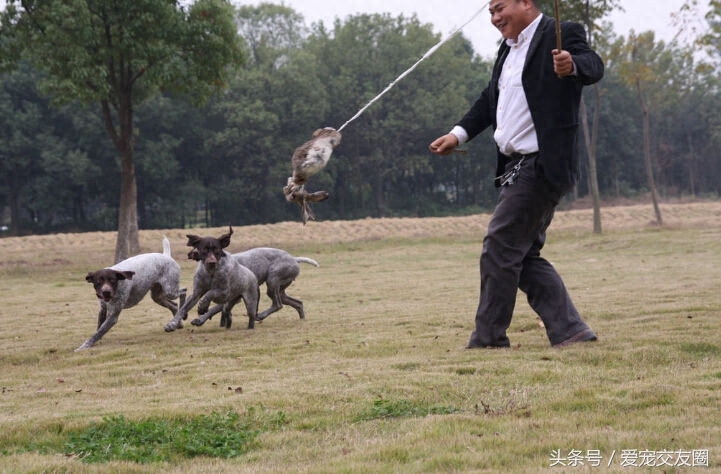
(375, 379)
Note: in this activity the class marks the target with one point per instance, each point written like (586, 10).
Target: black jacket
(553, 102)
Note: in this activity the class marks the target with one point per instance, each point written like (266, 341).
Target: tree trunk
(14, 198)
(378, 194)
(691, 165)
(647, 153)
(79, 212)
(127, 242)
(476, 184)
(340, 193)
(266, 196)
(591, 140)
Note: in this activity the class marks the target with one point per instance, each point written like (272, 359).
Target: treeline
(227, 161)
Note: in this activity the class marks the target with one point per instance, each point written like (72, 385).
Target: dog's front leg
(102, 314)
(108, 323)
(216, 294)
(200, 320)
(182, 313)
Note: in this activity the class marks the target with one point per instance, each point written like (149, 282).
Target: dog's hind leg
(276, 300)
(293, 302)
(160, 297)
(181, 297)
(226, 318)
(251, 298)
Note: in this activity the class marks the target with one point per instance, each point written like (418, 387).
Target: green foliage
(98, 50)
(712, 38)
(228, 161)
(701, 349)
(587, 12)
(221, 435)
(384, 408)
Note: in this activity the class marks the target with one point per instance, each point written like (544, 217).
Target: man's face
(511, 17)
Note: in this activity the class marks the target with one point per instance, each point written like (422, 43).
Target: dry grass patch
(375, 379)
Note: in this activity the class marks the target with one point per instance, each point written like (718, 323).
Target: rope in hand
(428, 54)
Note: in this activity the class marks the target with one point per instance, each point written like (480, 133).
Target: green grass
(402, 409)
(375, 378)
(220, 435)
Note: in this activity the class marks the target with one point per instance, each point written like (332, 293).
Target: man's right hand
(444, 145)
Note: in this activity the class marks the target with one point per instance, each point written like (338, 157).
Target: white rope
(430, 52)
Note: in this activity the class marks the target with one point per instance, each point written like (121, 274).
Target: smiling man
(531, 103)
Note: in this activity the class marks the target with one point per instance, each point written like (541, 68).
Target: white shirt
(515, 131)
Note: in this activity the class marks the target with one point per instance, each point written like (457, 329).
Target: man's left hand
(562, 63)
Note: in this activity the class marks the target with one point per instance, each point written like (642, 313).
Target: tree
(712, 37)
(589, 14)
(640, 59)
(118, 53)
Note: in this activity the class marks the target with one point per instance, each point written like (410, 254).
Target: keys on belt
(509, 177)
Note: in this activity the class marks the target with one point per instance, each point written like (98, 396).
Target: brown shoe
(582, 336)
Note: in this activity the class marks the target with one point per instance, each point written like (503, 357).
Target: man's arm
(589, 66)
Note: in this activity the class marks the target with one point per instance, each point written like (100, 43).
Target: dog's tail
(166, 247)
(306, 260)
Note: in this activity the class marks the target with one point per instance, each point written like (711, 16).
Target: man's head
(511, 17)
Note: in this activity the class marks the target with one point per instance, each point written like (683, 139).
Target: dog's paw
(171, 326)
(85, 345)
(197, 322)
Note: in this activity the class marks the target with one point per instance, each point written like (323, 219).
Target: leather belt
(517, 156)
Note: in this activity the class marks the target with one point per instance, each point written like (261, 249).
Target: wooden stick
(558, 27)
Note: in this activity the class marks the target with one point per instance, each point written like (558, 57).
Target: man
(532, 103)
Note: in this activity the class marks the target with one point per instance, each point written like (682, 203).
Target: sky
(447, 15)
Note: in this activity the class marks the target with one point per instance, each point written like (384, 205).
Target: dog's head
(105, 282)
(208, 250)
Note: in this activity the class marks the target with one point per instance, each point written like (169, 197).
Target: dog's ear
(316, 133)
(225, 239)
(126, 275)
(192, 240)
(89, 277)
(194, 255)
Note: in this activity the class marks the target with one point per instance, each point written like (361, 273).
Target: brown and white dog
(220, 279)
(274, 267)
(125, 284)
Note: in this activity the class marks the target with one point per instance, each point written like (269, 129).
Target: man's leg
(517, 220)
(547, 294)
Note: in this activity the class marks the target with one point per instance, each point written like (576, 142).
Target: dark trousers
(511, 259)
